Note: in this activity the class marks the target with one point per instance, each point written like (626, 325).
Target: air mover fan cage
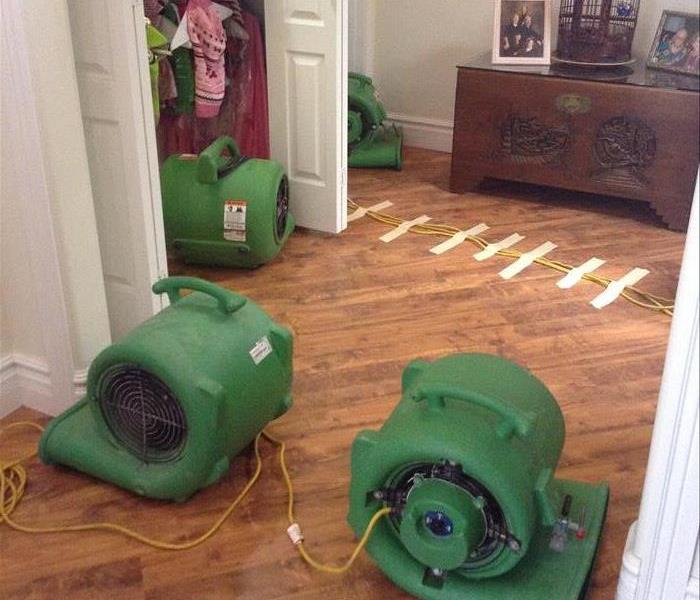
(282, 208)
(142, 413)
(597, 31)
(496, 538)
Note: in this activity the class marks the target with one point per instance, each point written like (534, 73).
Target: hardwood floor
(360, 311)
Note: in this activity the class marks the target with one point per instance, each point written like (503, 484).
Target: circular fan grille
(142, 413)
(282, 207)
(401, 484)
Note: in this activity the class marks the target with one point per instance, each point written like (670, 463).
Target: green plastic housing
(370, 144)
(195, 189)
(506, 431)
(200, 347)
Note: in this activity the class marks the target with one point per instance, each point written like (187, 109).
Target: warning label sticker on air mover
(261, 350)
(234, 220)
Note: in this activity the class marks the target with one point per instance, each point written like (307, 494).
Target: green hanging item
(225, 210)
(370, 142)
(466, 462)
(154, 40)
(181, 62)
(171, 403)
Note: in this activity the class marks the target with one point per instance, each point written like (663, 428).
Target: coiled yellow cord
(13, 481)
(631, 294)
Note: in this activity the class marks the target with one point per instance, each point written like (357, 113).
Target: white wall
(418, 43)
(53, 309)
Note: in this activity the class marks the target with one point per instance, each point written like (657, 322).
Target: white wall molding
(25, 381)
(660, 559)
(424, 132)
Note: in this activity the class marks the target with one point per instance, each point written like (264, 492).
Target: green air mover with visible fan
(170, 404)
(466, 461)
(230, 211)
(370, 143)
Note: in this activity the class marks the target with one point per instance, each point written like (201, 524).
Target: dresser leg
(674, 213)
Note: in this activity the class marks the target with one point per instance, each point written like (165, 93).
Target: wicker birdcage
(597, 31)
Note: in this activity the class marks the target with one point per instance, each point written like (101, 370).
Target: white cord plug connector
(295, 534)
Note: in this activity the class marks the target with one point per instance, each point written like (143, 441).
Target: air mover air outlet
(142, 413)
(282, 208)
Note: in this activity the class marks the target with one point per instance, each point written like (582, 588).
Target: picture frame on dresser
(522, 32)
(676, 46)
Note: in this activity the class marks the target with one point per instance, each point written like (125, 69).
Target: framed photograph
(522, 32)
(676, 46)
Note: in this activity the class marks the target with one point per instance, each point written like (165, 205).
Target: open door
(307, 85)
(112, 68)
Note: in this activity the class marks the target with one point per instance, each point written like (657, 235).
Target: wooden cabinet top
(634, 75)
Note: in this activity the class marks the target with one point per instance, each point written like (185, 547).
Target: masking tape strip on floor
(526, 260)
(361, 212)
(493, 249)
(403, 228)
(575, 275)
(458, 238)
(615, 288)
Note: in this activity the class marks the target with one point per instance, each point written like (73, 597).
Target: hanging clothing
(243, 113)
(250, 122)
(208, 40)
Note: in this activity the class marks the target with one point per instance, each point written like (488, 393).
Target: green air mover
(466, 461)
(173, 401)
(370, 144)
(230, 211)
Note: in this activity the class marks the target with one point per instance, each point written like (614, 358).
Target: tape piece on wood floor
(403, 228)
(458, 238)
(615, 288)
(492, 249)
(526, 260)
(361, 212)
(575, 275)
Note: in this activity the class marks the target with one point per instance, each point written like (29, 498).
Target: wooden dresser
(630, 133)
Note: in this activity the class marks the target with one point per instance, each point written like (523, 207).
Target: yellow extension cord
(13, 481)
(631, 294)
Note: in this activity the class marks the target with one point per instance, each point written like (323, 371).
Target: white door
(307, 84)
(112, 66)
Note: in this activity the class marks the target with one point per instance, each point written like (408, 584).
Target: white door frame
(660, 560)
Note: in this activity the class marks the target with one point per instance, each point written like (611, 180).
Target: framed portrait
(522, 32)
(676, 46)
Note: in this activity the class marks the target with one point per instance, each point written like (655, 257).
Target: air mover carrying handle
(209, 169)
(515, 422)
(228, 301)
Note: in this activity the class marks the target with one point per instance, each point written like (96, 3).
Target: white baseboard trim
(631, 567)
(629, 575)
(26, 381)
(424, 132)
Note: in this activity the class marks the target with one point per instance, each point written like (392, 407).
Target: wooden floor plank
(360, 310)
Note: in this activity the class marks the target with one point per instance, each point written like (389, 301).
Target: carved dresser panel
(631, 133)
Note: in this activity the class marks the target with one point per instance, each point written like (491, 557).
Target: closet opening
(208, 75)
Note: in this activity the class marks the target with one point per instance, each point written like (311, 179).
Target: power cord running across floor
(13, 482)
(631, 294)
